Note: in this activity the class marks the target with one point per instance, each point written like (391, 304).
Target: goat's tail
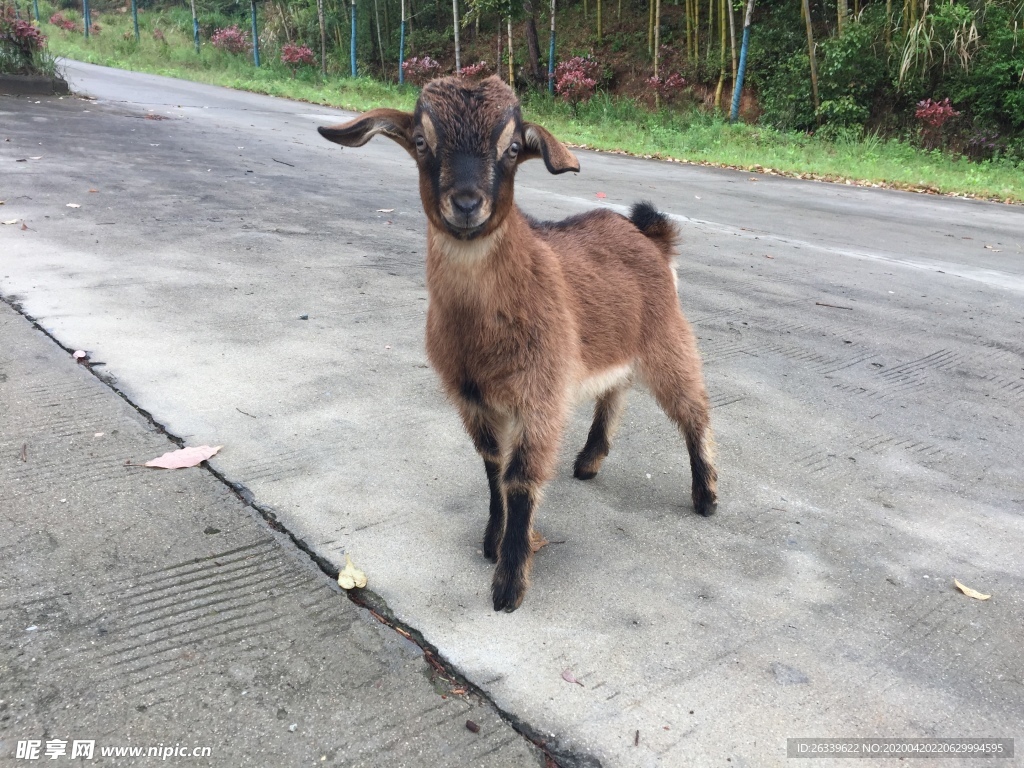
(656, 226)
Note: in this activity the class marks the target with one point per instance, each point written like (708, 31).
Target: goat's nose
(467, 203)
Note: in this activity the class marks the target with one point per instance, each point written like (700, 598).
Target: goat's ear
(393, 123)
(540, 143)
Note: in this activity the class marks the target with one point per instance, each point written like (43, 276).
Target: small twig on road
(834, 306)
(24, 451)
(282, 162)
(244, 413)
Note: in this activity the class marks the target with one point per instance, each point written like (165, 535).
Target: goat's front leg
(531, 461)
(485, 428)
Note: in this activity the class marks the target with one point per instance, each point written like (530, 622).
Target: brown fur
(523, 314)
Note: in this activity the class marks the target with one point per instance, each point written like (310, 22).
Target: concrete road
(149, 609)
(864, 351)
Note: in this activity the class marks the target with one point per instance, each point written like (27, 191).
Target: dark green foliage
(991, 90)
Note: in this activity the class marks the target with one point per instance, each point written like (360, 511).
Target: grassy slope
(606, 123)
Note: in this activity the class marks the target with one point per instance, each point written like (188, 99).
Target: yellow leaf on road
(351, 576)
(971, 592)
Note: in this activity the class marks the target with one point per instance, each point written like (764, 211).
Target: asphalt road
(864, 352)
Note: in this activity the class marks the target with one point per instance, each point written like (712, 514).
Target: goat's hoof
(705, 505)
(585, 470)
(581, 474)
(490, 552)
(507, 596)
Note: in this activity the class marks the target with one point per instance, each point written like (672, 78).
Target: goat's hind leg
(607, 412)
(673, 372)
(484, 428)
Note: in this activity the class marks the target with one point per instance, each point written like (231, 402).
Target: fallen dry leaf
(12, 221)
(971, 592)
(184, 457)
(24, 226)
(569, 677)
(351, 576)
(94, 190)
(600, 195)
(73, 205)
(385, 210)
(472, 726)
(537, 541)
(37, 157)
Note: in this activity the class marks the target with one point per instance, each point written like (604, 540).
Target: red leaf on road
(601, 195)
(183, 458)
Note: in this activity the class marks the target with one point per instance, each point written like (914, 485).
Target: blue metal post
(401, 55)
(135, 18)
(551, 53)
(85, 17)
(737, 88)
(352, 52)
(255, 34)
(35, 7)
(741, 68)
(551, 65)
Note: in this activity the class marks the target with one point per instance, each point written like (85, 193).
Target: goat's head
(468, 138)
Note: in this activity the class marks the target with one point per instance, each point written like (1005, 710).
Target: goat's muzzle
(466, 214)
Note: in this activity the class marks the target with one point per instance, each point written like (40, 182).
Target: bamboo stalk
(380, 44)
(711, 29)
(721, 56)
(657, 47)
(650, 28)
(657, 35)
(323, 36)
(688, 13)
(810, 50)
(511, 72)
(732, 39)
(458, 51)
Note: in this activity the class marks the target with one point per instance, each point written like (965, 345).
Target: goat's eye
(513, 149)
(421, 144)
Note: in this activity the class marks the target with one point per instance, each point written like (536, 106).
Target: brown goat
(526, 317)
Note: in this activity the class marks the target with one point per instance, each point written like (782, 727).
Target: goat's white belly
(596, 385)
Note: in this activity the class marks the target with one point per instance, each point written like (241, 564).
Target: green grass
(605, 123)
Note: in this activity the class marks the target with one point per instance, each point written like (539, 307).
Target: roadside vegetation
(912, 96)
(22, 46)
